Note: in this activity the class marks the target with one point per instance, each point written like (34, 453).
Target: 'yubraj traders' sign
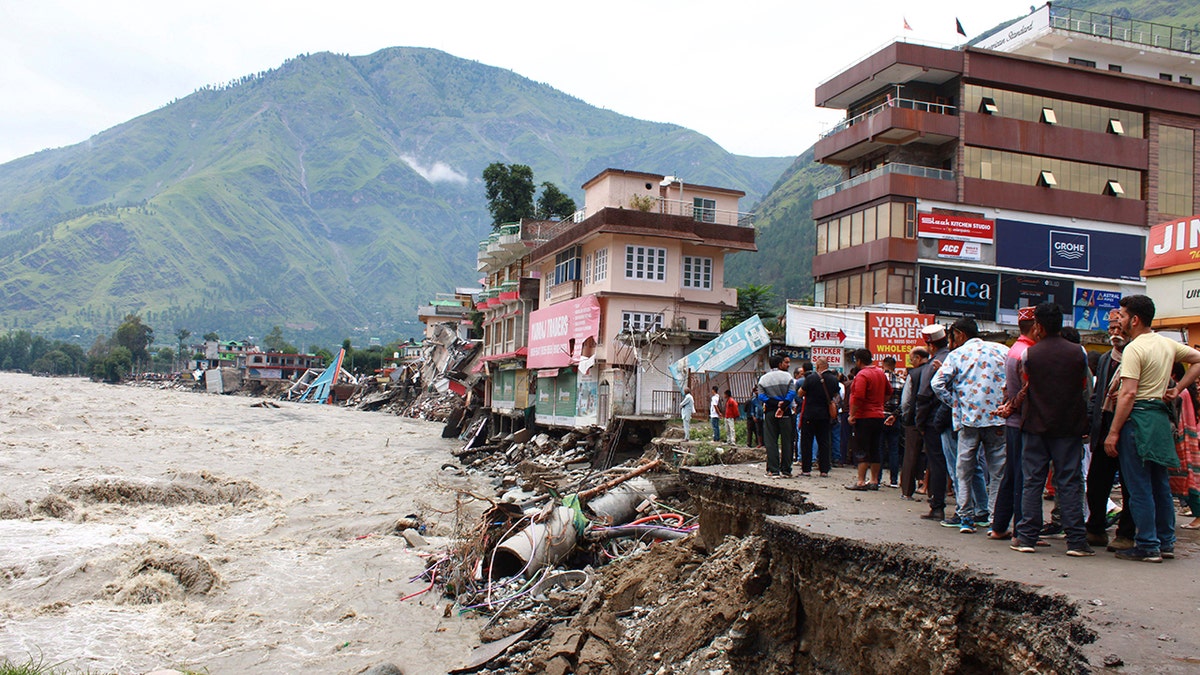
(895, 334)
(724, 351)
(557, 333)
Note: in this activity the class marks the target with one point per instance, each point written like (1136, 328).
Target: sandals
(857, 487)
(992, 534)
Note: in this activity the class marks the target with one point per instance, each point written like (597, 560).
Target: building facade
(1026, 167)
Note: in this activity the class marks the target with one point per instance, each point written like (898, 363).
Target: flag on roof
(906, 26)
(958, 25)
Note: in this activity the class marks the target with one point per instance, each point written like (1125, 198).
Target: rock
(384, 669)
(1165, 638)
(1112, 661)
(414, 538)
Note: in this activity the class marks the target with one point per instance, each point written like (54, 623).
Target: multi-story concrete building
(1027, 166)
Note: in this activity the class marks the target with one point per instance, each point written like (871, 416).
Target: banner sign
(1092, 307)
(954, 292)
(724, 351)
(557, 333)
(1018, 290)
(895, 334)
(796, 354)
(959, 250)
(1175, 242)
(940, 226)
(835, 356)
(1091, 253)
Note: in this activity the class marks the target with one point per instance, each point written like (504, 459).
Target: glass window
(638, 322)
(868, 288)
(844, 233)
(1029, 107)
(822, 238)
(704, 210)
(645, 262)
(601, 271)
(587, 269)
(856, 228)
(697, 272)
(566, 265)
(1175, 171)
(1011, 167)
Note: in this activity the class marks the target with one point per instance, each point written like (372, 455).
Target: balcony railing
(1125, 30)
(906, 103)
(904, 169)
(687, 209)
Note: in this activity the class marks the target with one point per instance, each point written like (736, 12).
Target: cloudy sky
(742, 73)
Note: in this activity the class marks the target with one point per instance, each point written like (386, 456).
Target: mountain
(786, 232)
(332, 195)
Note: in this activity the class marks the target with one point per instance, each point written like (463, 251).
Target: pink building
(633, 286)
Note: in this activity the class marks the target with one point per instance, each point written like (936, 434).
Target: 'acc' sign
(960, 250)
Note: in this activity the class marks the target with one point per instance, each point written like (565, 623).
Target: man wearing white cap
(926, 409)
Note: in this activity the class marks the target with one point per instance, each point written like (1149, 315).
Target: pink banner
(557, 332)
(940, 226)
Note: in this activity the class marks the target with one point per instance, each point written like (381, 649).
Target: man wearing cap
(1008, 498)
(926, 409)
(971, 381)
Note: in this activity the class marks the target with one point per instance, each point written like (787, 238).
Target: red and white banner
(1175, 242)
(959, 250)
(557, 332)
(833, 355)
(940, 226)
(895, 334)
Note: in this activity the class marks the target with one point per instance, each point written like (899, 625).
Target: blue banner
(1066, 250)
(724, 351)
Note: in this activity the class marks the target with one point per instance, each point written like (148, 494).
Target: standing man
(971, 381)
(926, 418)
(1102, 471)
(918, 362)
(891, 422)
(1141, 434)
(868, 392)
(686, 409)
(1053, 423)
(731, 415)
(753, 414)
(819, 390)
(1012, 485)
(714, 414)
(779, 424)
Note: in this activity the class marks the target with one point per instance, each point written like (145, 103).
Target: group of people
(1002, 427)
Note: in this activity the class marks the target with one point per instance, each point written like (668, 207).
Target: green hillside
(332, 195)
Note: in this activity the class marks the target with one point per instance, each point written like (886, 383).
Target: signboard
(1090, 253)
(796, 354)
(1027, 290)
(724, 351)
(828, 322)
(959, 250)
(1010, 37)
(955, 292)
(835, 356)
(815, 335)
(557, 333)
(1175, 242)
(1092, 307)
(941, 226)
(894, 334)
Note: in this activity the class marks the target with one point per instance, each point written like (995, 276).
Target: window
(1115, 127)
(1023, 169)
(1048, 116)
(1068, 113)
(1115, 68)
(587, 269)
(704, 210)
(697, 272)
(1165, 77)
(1175, 172)
(1081, 62)
(645, 262)
(637, 322)
(566, 265)
(1185, 79)
(987, 106)
(1114, 189)
(702, 324)
(601, 265)
(1046, 179)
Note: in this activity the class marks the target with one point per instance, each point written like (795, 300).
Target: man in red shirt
(869, 391)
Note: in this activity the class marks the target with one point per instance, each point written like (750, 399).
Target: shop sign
(895, 334)
(835, 356)
(942, 226)
(1091, 253)
(1175, 242)
(1092, 306)
(955, 292)
(724, 351)
(959, 250)
(557, 333)
(1027, 290)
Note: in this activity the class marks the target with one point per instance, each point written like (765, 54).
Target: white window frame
(704, 209)
(652, 265)
(697, 272)
(587, 269)
(601, 265)
(637, 322)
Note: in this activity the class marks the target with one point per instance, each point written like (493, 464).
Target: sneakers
(966, 528)
(1081, 552)
(894, 485)
(1097, 538)
(1120, 544)
(950, 522)
(983, 522)
(1053, 531)
(1167, 552)
(1022, 546)
(934, 514)
(1138, 555)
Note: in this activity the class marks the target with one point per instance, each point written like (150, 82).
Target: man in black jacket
(818, 389)
(927, 406)
(1103, 469)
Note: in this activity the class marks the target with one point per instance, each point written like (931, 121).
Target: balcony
(897, 122)
(674, 207)
(509, 291)
(890, 179)
(886, 169)
(1113, 27)
(568, 290)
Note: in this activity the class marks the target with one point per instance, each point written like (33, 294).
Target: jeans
(835, 441)
(1149, 496)
(950, 457)
(716, 424)
(971, 441)
(815, 431)
(1008, 498)
(1066, 454)
(779, 435)
(891, 449)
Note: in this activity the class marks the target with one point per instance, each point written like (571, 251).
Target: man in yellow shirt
(1141, 434)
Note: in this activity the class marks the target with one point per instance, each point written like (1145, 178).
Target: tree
(752, 299)
(135, 336)
(274, 342)
(553, 203)
(181, 334)
(509, 190)
(212, 336)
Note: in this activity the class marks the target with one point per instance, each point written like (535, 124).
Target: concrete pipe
(537, 546)
(619, 505)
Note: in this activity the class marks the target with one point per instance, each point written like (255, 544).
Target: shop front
(562, 346)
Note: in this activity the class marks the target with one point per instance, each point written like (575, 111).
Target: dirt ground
(144, 528)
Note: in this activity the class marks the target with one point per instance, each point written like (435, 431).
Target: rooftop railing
(1126, 30)
(688, 209)
(904, 169)
(906, 103)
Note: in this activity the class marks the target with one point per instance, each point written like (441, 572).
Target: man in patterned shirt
(971, 382)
